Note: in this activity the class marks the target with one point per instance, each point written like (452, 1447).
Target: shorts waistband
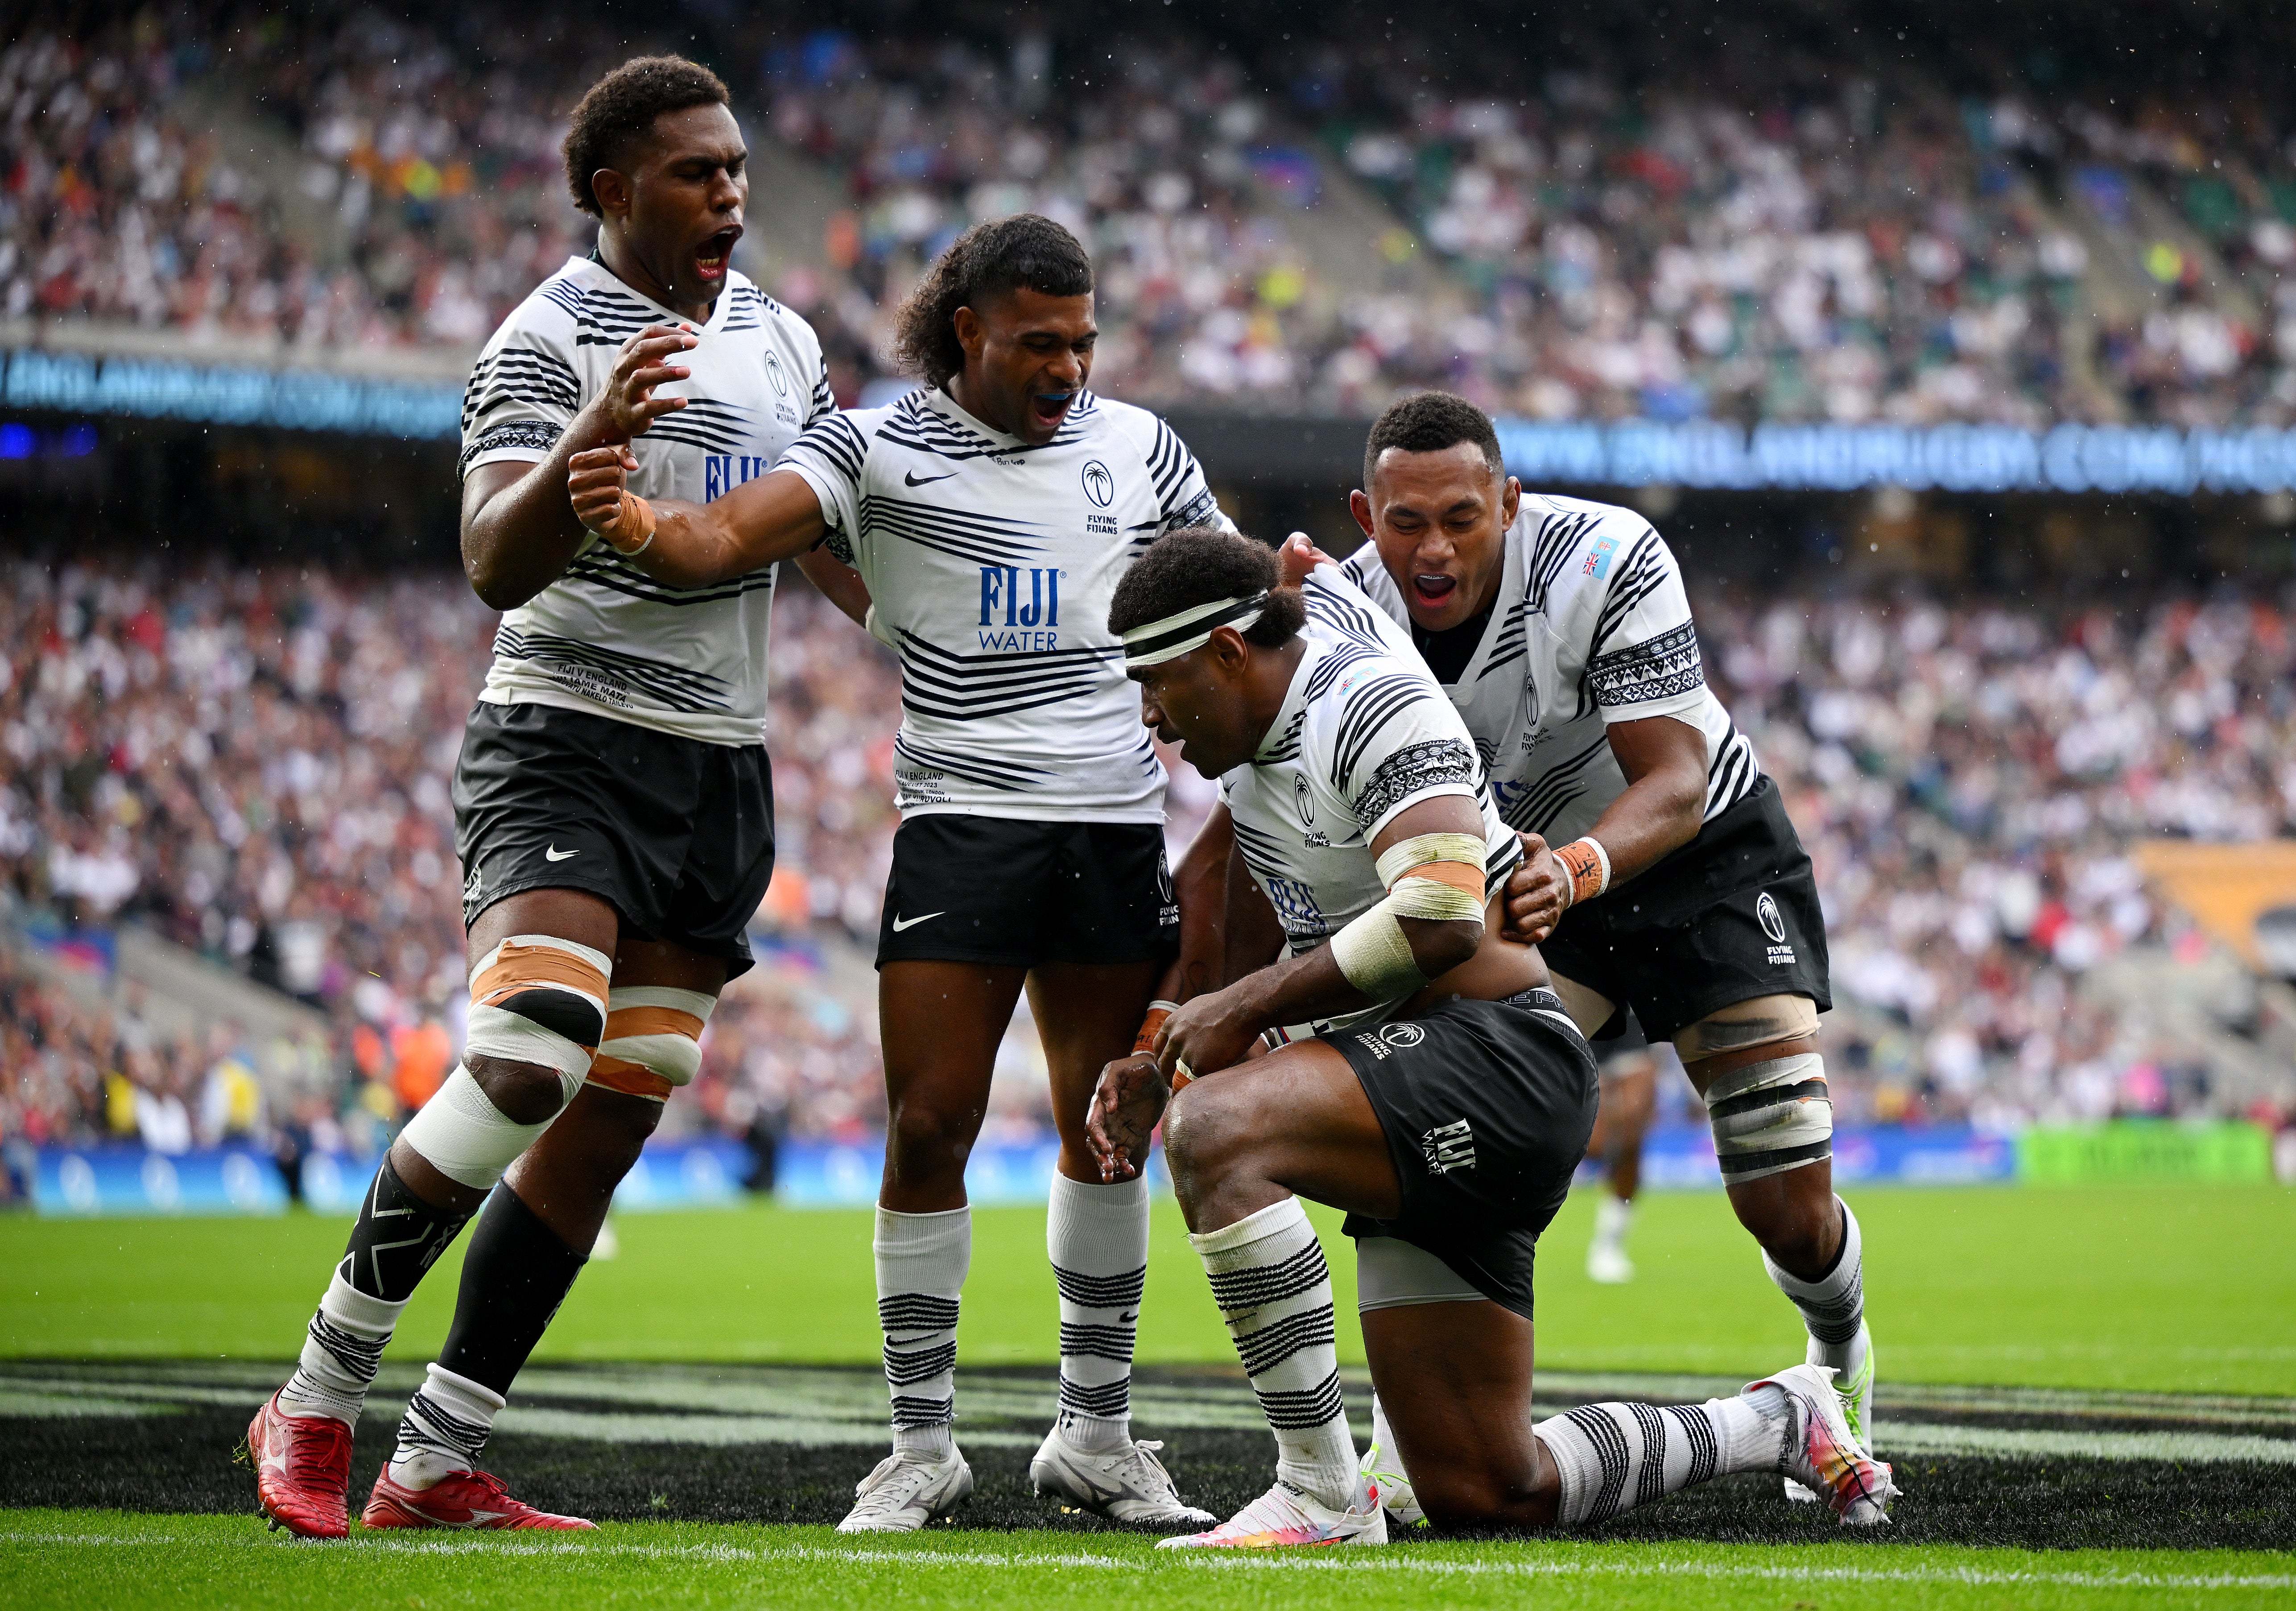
(1539, 1000)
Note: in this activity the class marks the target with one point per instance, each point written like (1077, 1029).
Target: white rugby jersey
(991, 565)
(1364, 731)
(1591, 626)
(605, 637)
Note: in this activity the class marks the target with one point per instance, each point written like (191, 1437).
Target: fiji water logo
(721, 473)
(1598, 558)
(1018, 613)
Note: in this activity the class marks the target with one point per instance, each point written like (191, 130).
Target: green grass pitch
(2173, 1290)
(2165, 1288)
(73, 1560)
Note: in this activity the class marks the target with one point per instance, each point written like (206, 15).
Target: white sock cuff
(1844, 1278)
(1233, 1246)
(1577, 1466)
(900, 1233)
(356, 1313)
(473, 1401)
(1118, 1204)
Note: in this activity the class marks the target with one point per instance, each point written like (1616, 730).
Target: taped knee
(540, 1000)
(652, 1042)
(1771, 1117)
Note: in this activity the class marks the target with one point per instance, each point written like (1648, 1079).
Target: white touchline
(1976, 1576)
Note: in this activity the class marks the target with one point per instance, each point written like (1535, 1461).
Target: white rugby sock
(1614, 1457)
(445, 1428)
(342, 1349)
(1097, 1238)
(1834, 1306)
(1613, 1217)
(921, 1260)
(1269, 1279)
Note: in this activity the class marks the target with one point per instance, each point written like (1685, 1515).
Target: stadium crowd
(1793, 246)
(255, 763)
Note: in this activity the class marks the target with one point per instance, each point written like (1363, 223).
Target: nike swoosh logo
(913, 479)
(554, 854)
(901, 923)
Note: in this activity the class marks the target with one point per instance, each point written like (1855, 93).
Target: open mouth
(1049, 408)
(711, 257)
(1432, 587)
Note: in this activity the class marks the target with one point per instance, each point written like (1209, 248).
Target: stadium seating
(1769, 251)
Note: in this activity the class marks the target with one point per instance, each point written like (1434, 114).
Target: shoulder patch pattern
(539, 435)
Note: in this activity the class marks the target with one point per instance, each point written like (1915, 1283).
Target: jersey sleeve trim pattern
(537, 437)
(1667, 667)
(1415, 772)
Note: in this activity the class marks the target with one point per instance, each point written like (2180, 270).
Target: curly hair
(621, 107)
(1003, 254)
(1428, 421)
(1197, 564)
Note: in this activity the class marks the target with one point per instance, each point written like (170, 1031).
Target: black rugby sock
(515, 1276)
(396, 1239)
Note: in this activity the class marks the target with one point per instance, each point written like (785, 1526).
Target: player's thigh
(1296, 1120)
(575, 915)
(1455, 1379)
(1087, 1016)
(941, 1023)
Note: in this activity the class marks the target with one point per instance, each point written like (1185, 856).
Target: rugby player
(1629, 1066)
(990, 513)
(613, 805)
(1430, 1084)
(1662, 875)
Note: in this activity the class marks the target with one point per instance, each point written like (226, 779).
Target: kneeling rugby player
(1561, 632)
(1429, 1083)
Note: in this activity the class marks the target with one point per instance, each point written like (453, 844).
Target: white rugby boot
(905, 1493)
(1822, 1453)
(1279, 1517)
(1382, 1468)
(1127, 1485)
(1607, 1264)
(1856, 1396)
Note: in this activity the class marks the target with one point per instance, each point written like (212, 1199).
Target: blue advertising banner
(1681, 1158)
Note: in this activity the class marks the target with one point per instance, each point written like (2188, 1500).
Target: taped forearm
(1434, 877)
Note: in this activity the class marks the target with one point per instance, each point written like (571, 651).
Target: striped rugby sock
(445, 1428)
(1614, 1457)
(1269, 1279)
(921, 1260)
(1097, 1238)
(1834, 1306)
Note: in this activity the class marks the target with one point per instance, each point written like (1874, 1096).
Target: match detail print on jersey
(991, 563)
(605, 637)
(1591, 626)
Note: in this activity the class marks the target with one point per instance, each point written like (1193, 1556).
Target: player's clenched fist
(1125, 1106)
(596, 481)
(1537, 893)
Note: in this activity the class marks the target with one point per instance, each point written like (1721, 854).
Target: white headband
(1190, 629)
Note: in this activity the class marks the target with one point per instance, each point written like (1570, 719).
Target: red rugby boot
(461, 1499)
(302, 1470)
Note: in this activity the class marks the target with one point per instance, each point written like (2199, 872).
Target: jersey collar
(937, 399)
(583, 267)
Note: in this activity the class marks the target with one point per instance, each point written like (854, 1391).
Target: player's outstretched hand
(643, 364)
(594, 479)
(1537, 892)
(1299, 556)
(1126, 1104)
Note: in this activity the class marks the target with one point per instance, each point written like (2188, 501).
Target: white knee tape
(1771, 1117)
(1391, 1273)
(657, 1028)
(462, 1135)
(494, 1033)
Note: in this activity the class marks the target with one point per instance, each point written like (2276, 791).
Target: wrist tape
(631, 530)
(1158, 1011)
(1588, 864)
(1435, 877)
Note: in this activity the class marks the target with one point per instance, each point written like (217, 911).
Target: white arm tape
(1372, 952)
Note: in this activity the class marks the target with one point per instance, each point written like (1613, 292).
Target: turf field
(2090, 1395)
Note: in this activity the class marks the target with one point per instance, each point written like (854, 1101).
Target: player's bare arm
(777, 516)
(519, 529)
(1664, 801)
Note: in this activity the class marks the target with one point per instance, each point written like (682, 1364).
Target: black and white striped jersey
(1591, 626)
(991, 564)
(605, 637)
(1363, 732)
